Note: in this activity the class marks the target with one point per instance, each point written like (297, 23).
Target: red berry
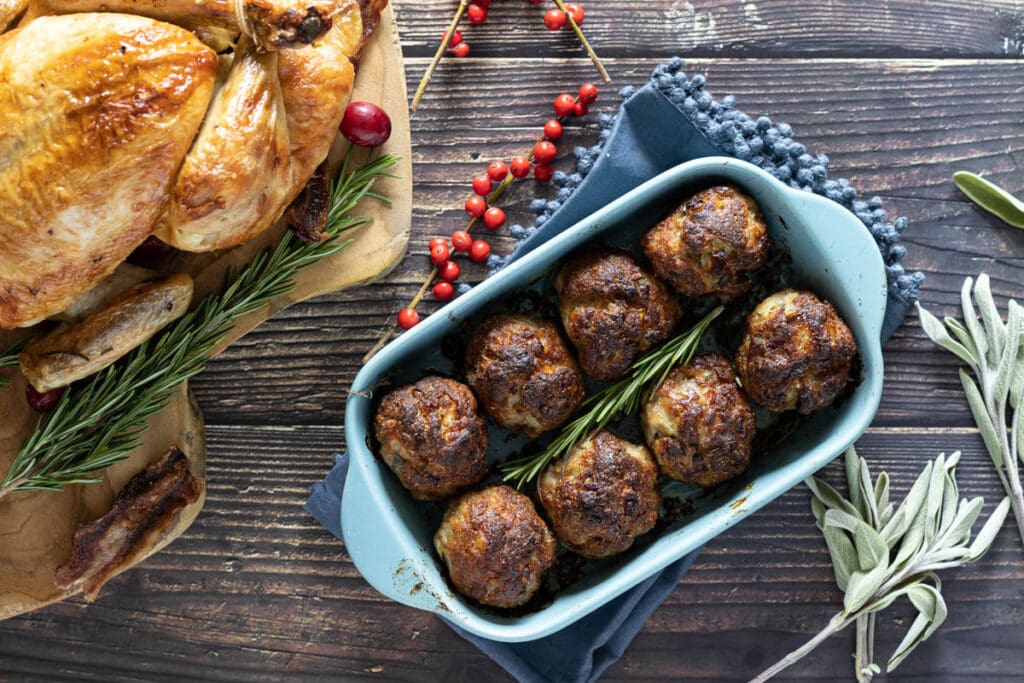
(408, 318)
(520, 167)
(486, 4)
(461, 240)
(42, 401)
(439, 254)
(475, 206)
(544, 152)
(543, 172)
(494, 218)
(564, 104)
(536, 2)
(497, 170)
(437, 241)
(365, 124)
(554, 19)
(553, 129)
(588, 93)
(456, 38)
(576, 12)
(462, 50)
(477, 14)
(450, 271)
(443, 291)
(580, 109)
(479, 252)
(482, 185)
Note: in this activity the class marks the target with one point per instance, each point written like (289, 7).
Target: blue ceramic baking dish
(388, 535)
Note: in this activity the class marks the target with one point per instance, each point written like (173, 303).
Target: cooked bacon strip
(142, 511)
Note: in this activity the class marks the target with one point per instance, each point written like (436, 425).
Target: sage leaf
(1008, 359)
(938, 333)
(959, 530)
(994, 331)
(844, 557)
(982, 419)
(989, 530)
(862, 587)
(933, 502)
(830, 497)
(871, 549)
(929, 602)
(837, 519)
(991, 197)
(971, 320)
(962, 335)
(853, 481)
(914, 637)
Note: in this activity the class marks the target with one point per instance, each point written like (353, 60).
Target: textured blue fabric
(668, 121)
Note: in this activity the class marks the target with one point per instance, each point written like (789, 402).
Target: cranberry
(553, 129)
(479, 252)
(408, 318)
(365, 124)
(461, 240)
(494, 218)
(497, 171)
(564, 104)
(439, 254)
(554, 19)
(461, 50)
(43, 401)
(482, 185)
(520, 167)
(443, 291)
(477, 14)
(450, 271)
(475, 206)
(576, 12)
(543, 172)
(588, 93)
(544, 152)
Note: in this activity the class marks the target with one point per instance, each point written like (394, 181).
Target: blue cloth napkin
(670, 120)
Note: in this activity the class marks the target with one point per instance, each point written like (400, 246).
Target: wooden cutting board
(36, 528)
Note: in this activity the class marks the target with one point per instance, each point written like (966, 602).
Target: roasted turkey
(196, 120)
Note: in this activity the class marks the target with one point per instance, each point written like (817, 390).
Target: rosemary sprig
(994, 353)
(881, 554)
(8, 359)
(625, 396)
(100, 421)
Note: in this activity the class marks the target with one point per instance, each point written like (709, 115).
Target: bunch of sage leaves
(881, 553)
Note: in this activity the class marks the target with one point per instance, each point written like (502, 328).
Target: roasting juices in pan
(612, 399)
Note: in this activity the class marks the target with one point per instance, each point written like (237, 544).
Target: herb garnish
(991, 197)
(99, 421)
(994, 352)
(881, 554)
(625, 396)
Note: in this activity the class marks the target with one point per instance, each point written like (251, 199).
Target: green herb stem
(100, 421)
(625, 396)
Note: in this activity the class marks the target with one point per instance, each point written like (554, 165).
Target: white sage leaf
(886, 600)
(982, 419)
(882, 497)
(853, 465)
(915, 634)
(862, 586)
(829, 496)
(1008, 359)
(937, 332)
(971, 319)
(995, 333)
(818, 509)
(838, 519)
(959, 532)
(989, 530)
(950, 496)
(962, 335)
(894, 529)
(991, 197)
(844, 557)
(912, 542)
(871, 549)
(928, 601)
(933, 502)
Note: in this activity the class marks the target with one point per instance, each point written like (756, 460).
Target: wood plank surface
(899, 94)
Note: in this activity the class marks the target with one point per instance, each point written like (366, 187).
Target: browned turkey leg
(272, 24)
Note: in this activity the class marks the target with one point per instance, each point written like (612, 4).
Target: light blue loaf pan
(387, 534)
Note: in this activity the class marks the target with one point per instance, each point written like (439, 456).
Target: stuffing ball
(613, 310)
(601, 496)
(523, 373)
(432, 437)
(710, 245)
(796, 353)
(496, 546)
(699, 424)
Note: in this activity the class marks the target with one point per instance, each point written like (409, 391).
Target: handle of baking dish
(378, 547)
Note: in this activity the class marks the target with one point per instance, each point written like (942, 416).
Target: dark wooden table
(899, 94)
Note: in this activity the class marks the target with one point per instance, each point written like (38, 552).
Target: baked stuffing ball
(431, 436)
(523, 373)
(613, 310)
(796, 353)
(496, 546)
(710, 245)
(602, 495)
(699, 424)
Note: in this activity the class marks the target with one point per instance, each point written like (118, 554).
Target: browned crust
(307, 214)
(274, 28)
(370, 11)
(432, 438)
(699, 424)
(496, 546)
(710, 245)
(142, 511)
(613, 310)
(602, 496)
(523, 374)
(796, 353)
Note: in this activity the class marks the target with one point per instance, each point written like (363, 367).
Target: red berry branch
(476, 11)
(487, 189)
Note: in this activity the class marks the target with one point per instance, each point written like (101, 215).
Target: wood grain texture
(776, 28)
(257, 591)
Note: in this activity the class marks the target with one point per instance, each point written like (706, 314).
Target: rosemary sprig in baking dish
(625, 397)
(99, 421)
